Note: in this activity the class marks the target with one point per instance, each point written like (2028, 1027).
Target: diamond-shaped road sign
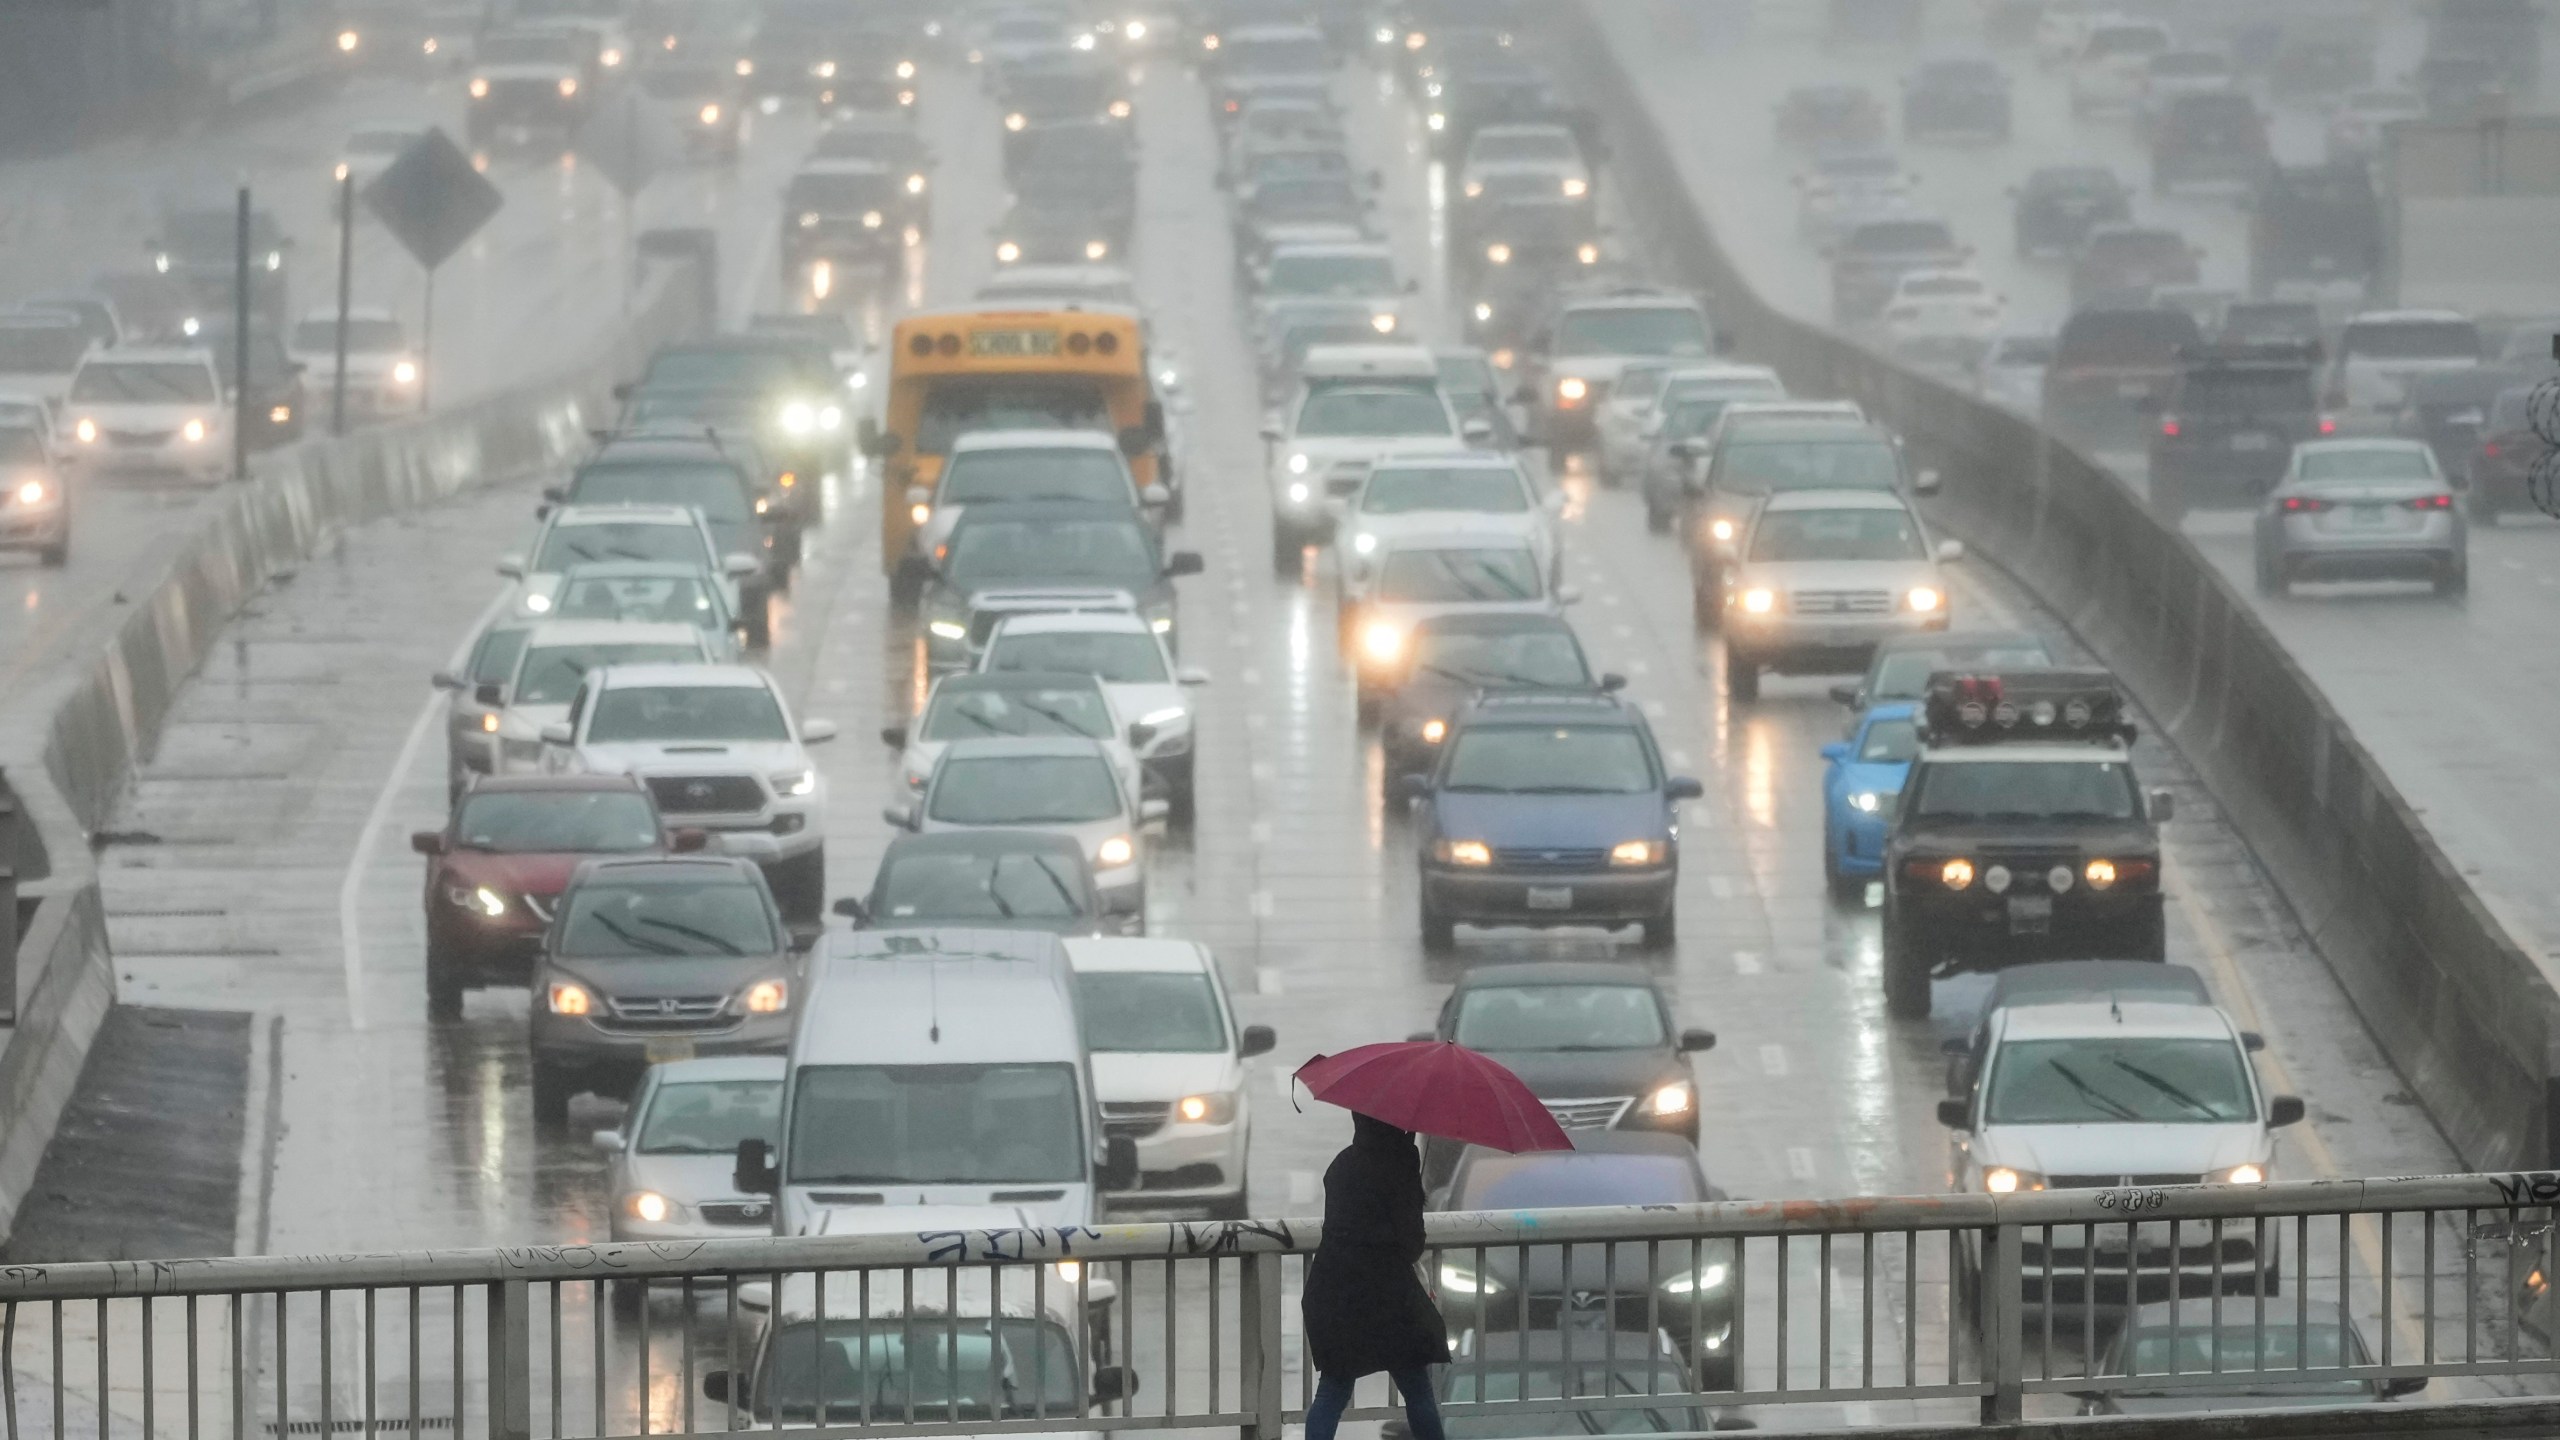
(431, 199)
(629, 142)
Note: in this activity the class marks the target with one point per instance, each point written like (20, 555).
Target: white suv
(589, 534)
(1148, 693)
(719, 750)
(1356, 405)
(1168, 1065)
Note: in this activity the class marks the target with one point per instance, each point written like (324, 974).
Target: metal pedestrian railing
(1957, 1307)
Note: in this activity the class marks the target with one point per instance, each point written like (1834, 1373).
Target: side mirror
(688, 839)
(556, 494)
(489, 692)
(2252, 1041)
(447, 680)
(902, 816)
(1693, 1042)
(1134, 440)
(1183, 562)
(1155, 497)
(1192, 675)
(1836, 751)
(755, 1173)
(2164, 807)
(1141, 734)
(2283, 1110)
(1688, 449)
(1414, 787)
(1683, 787)
(894, 736)
(2399, 1385)
(511, 566)
(715, 1385)
(1112, 1383)
(1256, 1040)
(1926, 482)
(608, 1141)
(1724, 343)
(739, 567)
(852, 908)
(1272, 433)
(867, 437)
(1950, 551)
(1477, 432)
(1612, 683)
(1151, 812)
(1119, 1169)
(622, 391)
(558, 732)
(1568, 594)
(1955, 1114)
(817, 732)
(427, 842)
(1844, 693)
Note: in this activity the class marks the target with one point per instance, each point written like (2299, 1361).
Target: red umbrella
(1437, 1089)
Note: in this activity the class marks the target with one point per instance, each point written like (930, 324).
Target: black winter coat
(1365, 1308)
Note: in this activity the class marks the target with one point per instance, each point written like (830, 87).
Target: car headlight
(1096, 249)
(1382, 640)
(808, 219)
(1438, 121)
(1956, 874)
(1711, 1276)
(1587, 253)
(1298, 463)
(1475, 189)
(1364, 542)
(2239, 1175)
(796, 783)
(830, 418)
(1637, 852)
(1070, 1270)
(1158, 719)
(570, 998)
(280, 415)
(799, 418)
(31, 492)
(479, 899)
(1212, 1109)
(194, 431)
(489, 723)
(746, 67)
(2003, 1180)
(919, 512)
(1115, 852)
(1572, 389)
(1484, 311)
(404, 372)
(1016, 121)
(1161, 624)
(766, 997)
(1298, 493)
(1462, 852)
(906, 69)
(710, 114)
(87, 430)
(479, 91)
(2101, 874)
(1576, 187)
(1498, 253)
(1677, 1098)
(1121, 110)
(568, 86)
(611, 58)
(1759, 600)
(1008, 252)
(537, 602)
(1384, 324)
(948, 630)
(871, 219)
(1434, 731)
(824, 70)
(1721, 529)
(1463, 1281)
(651, 1208)
(1870, 802)
(1924, 600)
(915, 183)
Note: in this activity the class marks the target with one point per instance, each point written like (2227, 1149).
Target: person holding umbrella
(1364, 1304)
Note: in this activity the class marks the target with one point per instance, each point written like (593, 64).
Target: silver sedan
(2369, 509)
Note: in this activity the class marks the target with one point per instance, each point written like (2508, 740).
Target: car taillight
(2328, 425)
(2169, 426)
(2430, 502)
(2305, 504)
(2489, 450)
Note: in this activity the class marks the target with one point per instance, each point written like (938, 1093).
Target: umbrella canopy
(1436, 1088)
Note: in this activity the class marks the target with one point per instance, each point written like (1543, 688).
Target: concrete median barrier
(2462, 1010)
(69, 743)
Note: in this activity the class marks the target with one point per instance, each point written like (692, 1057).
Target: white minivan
(1168, 1060)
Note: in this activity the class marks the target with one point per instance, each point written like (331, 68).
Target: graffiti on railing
(1038, 1242)
(2529, 1187)
(2131, 1201)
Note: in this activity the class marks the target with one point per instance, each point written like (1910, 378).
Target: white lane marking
(1800, 1162)
(1302, 1187)
(1773, 1059)
(1746, 962)
(351, 886)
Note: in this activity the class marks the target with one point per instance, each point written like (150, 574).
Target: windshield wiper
(726, 947)
(1056, 884)
(645, 945)
(2164, 1087)
(2093, 1094)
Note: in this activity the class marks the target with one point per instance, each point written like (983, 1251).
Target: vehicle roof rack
(1965, 708)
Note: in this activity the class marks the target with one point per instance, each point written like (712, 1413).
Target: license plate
(1002, 344)
(1550, 897)
(2030, 914)
(2250, 442)
(2368, 517)
(664, 1052)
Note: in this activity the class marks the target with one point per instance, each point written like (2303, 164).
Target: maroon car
(495, 872)
(2502, 459)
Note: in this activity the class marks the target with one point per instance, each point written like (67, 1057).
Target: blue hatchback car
(1549, 809)
(1860, 784)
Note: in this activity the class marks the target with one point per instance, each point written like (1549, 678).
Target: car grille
(1528, 859)
(2030, 875)
(1841, 602)
(140, 439)
(706, 794)
(1134, 1119)
(738, 1212)
(2111, 1182)
(542, 906)
(1599, 1114)
(663, 1012)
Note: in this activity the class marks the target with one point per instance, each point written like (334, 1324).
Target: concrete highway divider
(2464, 1013)
(69, 743)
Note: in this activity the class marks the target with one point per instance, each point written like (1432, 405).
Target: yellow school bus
(956, 371)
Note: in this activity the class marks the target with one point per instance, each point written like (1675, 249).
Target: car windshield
(978, 713)
(2247, 392)
(1561, 1183)
(1164, 1012)
(41, 349)
(1004, 1124)
(20, 445)
(1438, 577)
(1278, 57)
(1503, 1379)
(569, 545)
(838, 192)
(1772, 467)
(896, 1371)
(1689, 419)
(556, 822)
(1551, 760)
(1559, 1017)
(1467, 375)
(953, 408)
(2200, 1346)
(2019, 790)
(676, 919)
(955, 886)
(978, 477)
(1373, 413)
(710, 1117)
(713, 488)
(2125, 338)
(1275, 164)
(1501, 146)
(551, 674)
(1672, 330)
(143, 382)
(677, 599)
(493, 659)
(2378, 463)
(1024, 790)
(1116, 657)
(2138, 247)
(526, 50)
(1889, 742)
(1787, 535)
(649, 714)
(364, 337)
(1331, 275)
(1480, 489)
(1541, 657)
(724, 369)
(1904, 674)
(989, 548)
(2411, 340)
(2097, 1079)
(1306, 195)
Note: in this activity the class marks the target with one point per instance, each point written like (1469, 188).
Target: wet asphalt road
(300, 759)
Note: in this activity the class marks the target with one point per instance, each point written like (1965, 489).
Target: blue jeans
(1333, 1396)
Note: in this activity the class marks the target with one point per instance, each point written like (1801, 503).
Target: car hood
(1882, 776)
(693, 758)
(1308, 227)
(126, 416)
(525, 70)
(692, 1179)
(1987, 840)
(1412, 615)
(647, 977)
(1793, 575)
(543, 874)
(1132, 703)
(1539, 822)
(2125, 1149)
(1603, 368)
(1593, 1074)
(1123, 1075)
(957, 1211)
(1524, 525)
